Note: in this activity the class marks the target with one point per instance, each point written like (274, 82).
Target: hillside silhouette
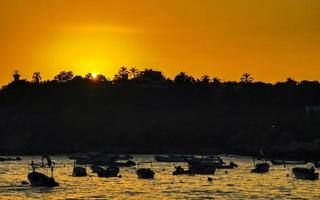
(145, 112)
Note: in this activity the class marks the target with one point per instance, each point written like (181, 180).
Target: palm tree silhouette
(123, 74)
(246, 78)
(36, 77)
(205, 79)
(134, 72)
(16, 75)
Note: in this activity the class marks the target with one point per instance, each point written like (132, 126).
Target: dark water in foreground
(236, 184)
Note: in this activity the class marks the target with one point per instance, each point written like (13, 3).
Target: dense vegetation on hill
(143, 112)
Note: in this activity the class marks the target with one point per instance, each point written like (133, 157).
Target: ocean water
(238, 183)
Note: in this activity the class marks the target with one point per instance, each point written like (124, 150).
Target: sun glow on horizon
(94, 75)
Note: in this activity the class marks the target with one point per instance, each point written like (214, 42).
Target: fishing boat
(199, 166)
(305, 173)
(96, 168)
(128, 163)
(10, 159)
(78, 171)
(38, 179)
(231, 165)
(145, 173)
(208, 162)
(103, 160)
(180, 171)
(109, 172)
(261, 168)
(286, 162)
(170, 158)
(123, 157)
(195, 169)
(202, 169)
(92, 158)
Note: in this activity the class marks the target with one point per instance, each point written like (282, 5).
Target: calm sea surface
(236, 184)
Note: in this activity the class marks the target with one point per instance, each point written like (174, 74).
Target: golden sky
(271, 39)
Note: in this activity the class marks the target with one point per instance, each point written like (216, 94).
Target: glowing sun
(94, 75)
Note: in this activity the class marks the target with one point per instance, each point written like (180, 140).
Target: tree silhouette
(291, 82)
(246, 78)
(64, 76)
(16, 75)
(101, 78)
(183, 79)
(205, 80)
(216, 81)
(122, 75)
(88, 76)
(133, 72)
(36, 77)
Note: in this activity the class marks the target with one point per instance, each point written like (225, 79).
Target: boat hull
(145, 173)
(79, 171)
(261, 168)
(37, 179)
(305, 173)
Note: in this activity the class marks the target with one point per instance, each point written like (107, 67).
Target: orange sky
(271, 39)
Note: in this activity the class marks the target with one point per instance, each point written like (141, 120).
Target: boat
(92, 159)
(38, 179)
(198, 168)
(145, 173)
(79, 171)
(180, 171)
(205, 165)
(286, 162)
(103, 160)
(123, 157)
(305, 173)
(128, 163)
(261, 168)
(202, 169)
(96, 168)
(170, 158)
(109, 172)
(231, 165)
(215, 162)
(10, 159)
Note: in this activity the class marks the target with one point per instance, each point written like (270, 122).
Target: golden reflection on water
(236, 184)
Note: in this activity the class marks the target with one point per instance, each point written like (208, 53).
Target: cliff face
(68, 117)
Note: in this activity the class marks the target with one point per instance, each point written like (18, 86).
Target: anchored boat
(145, 173)
(38, 179)
(111, 171)
(78, 171)
(260, 167)
(305, 173)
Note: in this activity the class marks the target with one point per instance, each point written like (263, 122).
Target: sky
(270, 39)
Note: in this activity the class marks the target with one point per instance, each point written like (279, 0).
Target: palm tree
(134, 72)
(88, 76)
(123, 74)
(16, 75)
(216, 81)
(101, 78)
(205, 79)
(184, 79)
(64, 76)
(246, 78)
(36, 77)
